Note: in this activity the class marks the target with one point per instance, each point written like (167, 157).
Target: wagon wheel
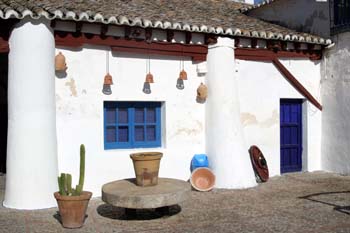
(259, 163)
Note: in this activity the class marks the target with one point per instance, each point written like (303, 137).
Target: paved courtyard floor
(296, 202)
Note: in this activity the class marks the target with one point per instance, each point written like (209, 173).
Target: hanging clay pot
(108, 79)
(202, 92)
(183, 75)
(60, 62)
(149, 78)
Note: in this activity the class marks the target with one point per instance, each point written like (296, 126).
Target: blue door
(291, 135)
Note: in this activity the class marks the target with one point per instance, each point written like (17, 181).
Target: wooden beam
(236, 42)
(295, 83)
(210, 39)
(78, 27)
(253, 54)
(104, 29)
(148, 34)
(4, 45)
(197, 52)
(188, 36)
(297, 46)
(170, 35)
(253, 42)
(127, 32)
(274, 45)
(53, 23)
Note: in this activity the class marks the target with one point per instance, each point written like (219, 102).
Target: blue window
(132, 124)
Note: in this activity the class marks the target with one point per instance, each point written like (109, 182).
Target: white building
(329, 19)
(264, 85)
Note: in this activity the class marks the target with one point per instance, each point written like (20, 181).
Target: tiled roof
(222, 17)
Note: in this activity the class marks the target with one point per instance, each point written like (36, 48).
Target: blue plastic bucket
(199, 160)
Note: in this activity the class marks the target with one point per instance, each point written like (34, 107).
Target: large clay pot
(146, 166)
(73, 209)
(202, 179)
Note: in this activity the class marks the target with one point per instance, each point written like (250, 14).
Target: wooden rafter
(265, 54)
(295, 83)
(196, 52)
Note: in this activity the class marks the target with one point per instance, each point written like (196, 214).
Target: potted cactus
(73, 203)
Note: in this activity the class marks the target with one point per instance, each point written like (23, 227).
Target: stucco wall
(79, 106)
(336, 99)
(309, 16)
(261, 86)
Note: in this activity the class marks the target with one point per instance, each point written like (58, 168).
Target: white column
(225, 144)
(32, 168)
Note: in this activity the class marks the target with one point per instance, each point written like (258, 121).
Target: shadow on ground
(112, 212)
(326, 199)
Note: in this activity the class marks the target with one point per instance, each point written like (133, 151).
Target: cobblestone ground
(299, 202)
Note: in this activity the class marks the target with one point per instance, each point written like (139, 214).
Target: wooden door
(291, 135)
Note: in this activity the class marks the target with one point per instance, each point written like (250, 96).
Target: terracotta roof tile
(221, 17)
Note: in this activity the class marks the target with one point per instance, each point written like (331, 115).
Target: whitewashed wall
(336, 99)
(79, 106)
(261, 86)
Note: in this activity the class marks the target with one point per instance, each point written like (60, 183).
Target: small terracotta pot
(73, 209)
(183, 75)
(149, 78)
(146, 166)
(108, 79)
(60, 62)
(202, 179)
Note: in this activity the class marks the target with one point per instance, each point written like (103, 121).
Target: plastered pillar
(225, 144)
(32, 169)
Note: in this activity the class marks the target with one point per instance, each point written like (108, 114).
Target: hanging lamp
(60, 63)
(149, 77)
(108, 80)
(183, 74)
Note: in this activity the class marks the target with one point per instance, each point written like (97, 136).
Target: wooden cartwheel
(259, 163)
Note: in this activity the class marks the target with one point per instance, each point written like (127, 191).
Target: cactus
(65, 180)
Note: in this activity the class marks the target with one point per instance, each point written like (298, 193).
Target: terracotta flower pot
(73, 209)
(202, 179)
(146, 166)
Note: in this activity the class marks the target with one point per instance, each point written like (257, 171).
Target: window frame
(131, 124)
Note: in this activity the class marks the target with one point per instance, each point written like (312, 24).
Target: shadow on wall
(331, 199)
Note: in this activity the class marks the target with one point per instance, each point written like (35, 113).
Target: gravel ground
(295, 202)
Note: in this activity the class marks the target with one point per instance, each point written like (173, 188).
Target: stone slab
(126, 194)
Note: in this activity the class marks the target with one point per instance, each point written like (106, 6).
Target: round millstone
(125, 193)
